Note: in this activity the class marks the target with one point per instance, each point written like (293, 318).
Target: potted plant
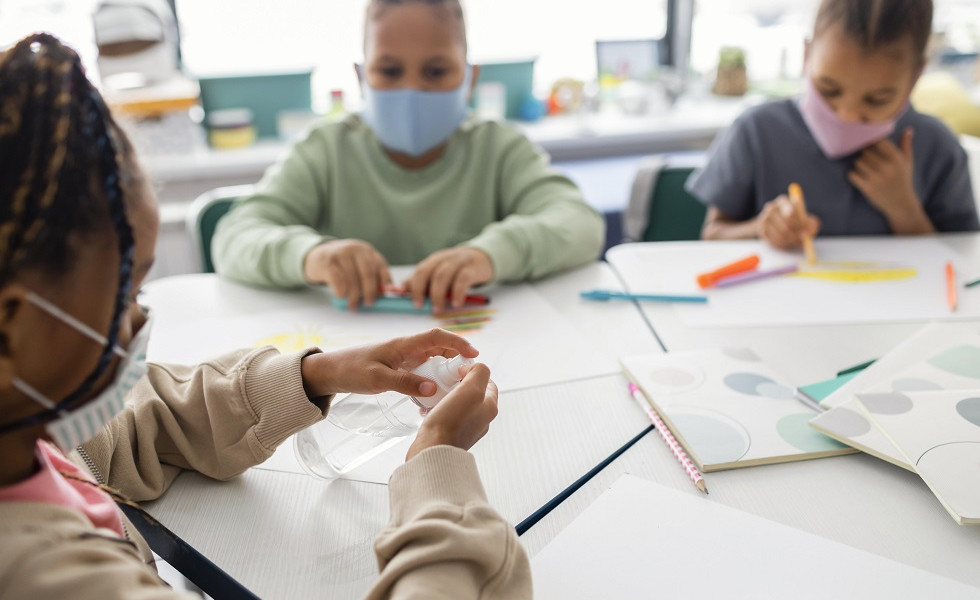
(731, 79)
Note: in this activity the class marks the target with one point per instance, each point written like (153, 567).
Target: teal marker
(389, 304)
(613, 295)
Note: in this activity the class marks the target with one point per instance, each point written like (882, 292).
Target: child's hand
(374, 369)
(449, 273)
(353, 268)
(779, 225)
(884, 174)
(463, 416)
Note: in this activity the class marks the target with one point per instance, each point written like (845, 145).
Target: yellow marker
(796, 199)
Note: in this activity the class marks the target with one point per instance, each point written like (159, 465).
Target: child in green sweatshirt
(410, 180)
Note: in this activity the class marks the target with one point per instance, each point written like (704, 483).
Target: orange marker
(706, 280)
(951, 287)
(796, 198)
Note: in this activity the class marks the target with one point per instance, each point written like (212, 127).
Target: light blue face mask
(413, 121)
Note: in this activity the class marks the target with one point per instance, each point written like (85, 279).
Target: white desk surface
(285, 535)
(803, 354)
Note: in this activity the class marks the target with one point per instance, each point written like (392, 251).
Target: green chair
(660, 209)
(203, 216)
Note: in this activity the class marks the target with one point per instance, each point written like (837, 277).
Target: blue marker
(613, 295)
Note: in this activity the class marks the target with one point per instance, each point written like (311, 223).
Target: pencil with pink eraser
(669, 439)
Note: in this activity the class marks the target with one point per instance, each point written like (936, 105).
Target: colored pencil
(972, 283)
(613, 295)
(706, 280)
(951, 287)
(796, 198)
(668, 437)
(755, 275)
(549, 506)
(808, 400)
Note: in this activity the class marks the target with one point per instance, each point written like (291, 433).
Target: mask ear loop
(77, 324)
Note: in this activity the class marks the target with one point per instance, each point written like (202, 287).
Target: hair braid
(64, 167)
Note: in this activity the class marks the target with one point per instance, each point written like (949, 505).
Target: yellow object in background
(941, 95)
(231, 128)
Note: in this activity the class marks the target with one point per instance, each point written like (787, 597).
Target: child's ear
(12, 301)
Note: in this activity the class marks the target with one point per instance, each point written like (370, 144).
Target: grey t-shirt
(769, 146)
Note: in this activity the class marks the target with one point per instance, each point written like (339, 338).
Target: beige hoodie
(220, 418)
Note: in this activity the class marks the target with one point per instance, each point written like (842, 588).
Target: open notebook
(728, 408)
(938, 433)
(918, 407)
(940, 356)
(642, 540)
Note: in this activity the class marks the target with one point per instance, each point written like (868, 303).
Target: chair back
(204, 214)
(660, 209)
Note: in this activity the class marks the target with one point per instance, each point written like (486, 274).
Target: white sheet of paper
(795, 300)
(293, 321)
(306, 321)
(641, 540)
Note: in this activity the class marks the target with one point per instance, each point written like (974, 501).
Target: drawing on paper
(466, 320)
(308, 335)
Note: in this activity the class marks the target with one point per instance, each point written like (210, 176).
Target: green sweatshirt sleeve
(547, 227)
(264, 239)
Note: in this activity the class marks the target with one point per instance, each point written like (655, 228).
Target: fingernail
(427, 388)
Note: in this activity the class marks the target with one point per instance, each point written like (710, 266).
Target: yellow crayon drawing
(871, 272)
(311, 335)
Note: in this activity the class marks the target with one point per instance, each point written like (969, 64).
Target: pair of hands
(460, 419)
(883, 173)
(355, 270)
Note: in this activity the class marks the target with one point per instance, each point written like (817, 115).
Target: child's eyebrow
(827, 80)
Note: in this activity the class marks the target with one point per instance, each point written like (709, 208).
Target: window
(220, 37)
(771, 32)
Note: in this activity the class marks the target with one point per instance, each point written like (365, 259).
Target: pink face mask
(836, 137)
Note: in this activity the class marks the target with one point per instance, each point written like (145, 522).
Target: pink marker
(754, 275)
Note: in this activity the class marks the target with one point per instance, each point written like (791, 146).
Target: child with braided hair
(85, 421)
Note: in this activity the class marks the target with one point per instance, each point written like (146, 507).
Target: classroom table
(856, 499)
(287, 535)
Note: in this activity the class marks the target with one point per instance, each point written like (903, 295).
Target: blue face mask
(412, 121)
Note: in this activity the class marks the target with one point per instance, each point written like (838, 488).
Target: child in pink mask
(866, 160)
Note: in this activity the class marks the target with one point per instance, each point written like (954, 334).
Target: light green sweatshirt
(491, 189)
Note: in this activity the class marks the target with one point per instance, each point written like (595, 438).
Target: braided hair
(60, 177)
